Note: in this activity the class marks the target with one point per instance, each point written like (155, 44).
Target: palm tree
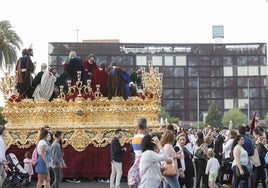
(10, 42)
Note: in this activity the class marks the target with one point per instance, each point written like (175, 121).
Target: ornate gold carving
(83, 122)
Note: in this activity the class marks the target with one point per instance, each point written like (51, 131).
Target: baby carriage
(18, 176)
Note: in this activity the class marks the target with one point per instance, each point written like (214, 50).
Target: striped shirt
(136, 144)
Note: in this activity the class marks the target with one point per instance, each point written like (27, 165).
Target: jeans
(200, 168)
(172, 182)
(58, 177)
(116, 174)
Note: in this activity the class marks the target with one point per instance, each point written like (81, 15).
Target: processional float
(83, 121)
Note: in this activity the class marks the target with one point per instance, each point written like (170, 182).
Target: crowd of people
(110, 80)
(205, 158)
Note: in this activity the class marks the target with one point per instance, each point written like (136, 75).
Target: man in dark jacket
(116, 159)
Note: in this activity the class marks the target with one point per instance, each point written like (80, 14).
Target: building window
(242, 71)
(118, 60)
(141, 60)
(181, 60)
(157, 61)
(253, 70)
(227, 71)
(228, 103)
(169, 61)
(242, 103)
(263, 70)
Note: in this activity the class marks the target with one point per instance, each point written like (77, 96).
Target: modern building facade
(233, 75)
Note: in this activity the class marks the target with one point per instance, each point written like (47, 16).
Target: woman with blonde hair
(167, 143)
(44, 159)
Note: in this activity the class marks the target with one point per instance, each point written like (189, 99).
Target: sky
(141, 21)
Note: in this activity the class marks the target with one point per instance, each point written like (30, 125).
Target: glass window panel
(128, 60)
(168, 104)
(157, 60)
(254, 92)
(228, 71)
(178, 72)
(193, 93)
(253, 70)
(179, 93)
(216, 93)
(242, 82)
(169, 60)
(181, 60)
(167, 71)
(227, 61)
(216, 72)
(192, 82)
(242, 103)
(179, 104)
(254, 103)
(263, 60)
(228, 103)
(168, 82)
(204, 95)
(192, 61)
(192, 71)
(118, 60)
(192, 104)
(252, 60)
(141, 60)
(263, 70)
(216, 61)
(242, 93)
(204, 61)
(192, 115)
(228, 82)
(242, 71)
(242, 60)
(179, 83)
(216, 82)
(168, 93)
(53, 60)
(229, 93)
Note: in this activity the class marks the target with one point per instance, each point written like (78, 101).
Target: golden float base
(83, 122)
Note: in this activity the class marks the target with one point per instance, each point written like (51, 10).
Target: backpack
(34, 157)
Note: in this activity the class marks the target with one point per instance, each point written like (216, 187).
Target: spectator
(116, 159)
(152, 155)
(167, 142)
(240, 159)
(212, 169)
(43, 164)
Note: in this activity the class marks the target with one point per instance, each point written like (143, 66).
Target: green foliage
(2, 120)
(9, 43)
(236, 116)
(214, 117)
(165, 115)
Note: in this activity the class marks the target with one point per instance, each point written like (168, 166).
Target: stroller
(18, 177)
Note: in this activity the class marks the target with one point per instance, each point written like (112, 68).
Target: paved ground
(89, 184)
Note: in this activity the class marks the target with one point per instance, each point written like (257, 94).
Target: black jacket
(116, 150)
(189, 167)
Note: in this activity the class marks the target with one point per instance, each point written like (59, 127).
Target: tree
(236, 116)
(164, 114)
(2, 120)
(214, 116)
(10, 42)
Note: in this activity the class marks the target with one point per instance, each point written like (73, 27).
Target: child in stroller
(18, 177)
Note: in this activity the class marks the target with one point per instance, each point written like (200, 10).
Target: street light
(77, 39)
(198, 102)
(248, 101)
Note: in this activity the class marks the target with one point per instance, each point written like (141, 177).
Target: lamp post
(77, 39)
(248, 101)
(198, 102)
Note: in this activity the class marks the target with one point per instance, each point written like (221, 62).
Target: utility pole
(77, 38)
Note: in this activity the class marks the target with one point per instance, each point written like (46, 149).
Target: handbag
(200, 154)
(168, 169)
(241, 176)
